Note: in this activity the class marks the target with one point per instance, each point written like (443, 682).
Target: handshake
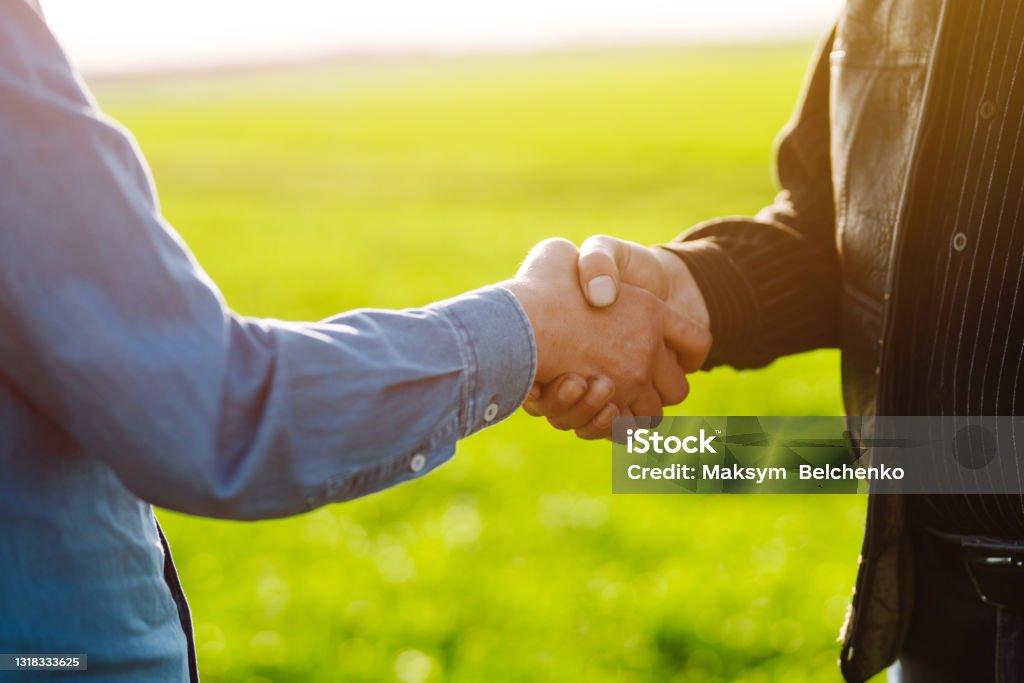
(617, 325)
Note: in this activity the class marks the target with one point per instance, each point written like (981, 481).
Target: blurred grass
(307, 192)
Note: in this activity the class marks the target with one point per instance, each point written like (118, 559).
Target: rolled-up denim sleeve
(111, 331)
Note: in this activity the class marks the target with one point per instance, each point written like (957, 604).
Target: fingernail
(571, 390)
(601, 291)
(604, 418)
(603, 389)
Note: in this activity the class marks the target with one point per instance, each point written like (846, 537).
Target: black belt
(995, 566)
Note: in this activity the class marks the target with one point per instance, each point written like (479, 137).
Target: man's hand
(625, 349)
(606, 263)
(606, 266)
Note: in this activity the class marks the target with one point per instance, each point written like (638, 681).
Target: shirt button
(987, 109)
(959, 241)
(418, 462)
(490, 412)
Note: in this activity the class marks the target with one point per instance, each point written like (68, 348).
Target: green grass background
(307, 192)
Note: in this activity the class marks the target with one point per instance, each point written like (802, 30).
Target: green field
(307, 192)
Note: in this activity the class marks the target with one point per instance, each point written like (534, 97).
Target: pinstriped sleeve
(771, 282)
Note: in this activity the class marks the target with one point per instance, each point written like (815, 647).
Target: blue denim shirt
(126, 381)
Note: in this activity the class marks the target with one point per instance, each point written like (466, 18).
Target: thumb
(689, 339)
(601, 260)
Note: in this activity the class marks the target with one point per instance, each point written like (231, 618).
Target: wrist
(683, 292)
(535, 307)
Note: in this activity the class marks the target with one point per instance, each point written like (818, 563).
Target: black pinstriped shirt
(771, 283)
(960, 293)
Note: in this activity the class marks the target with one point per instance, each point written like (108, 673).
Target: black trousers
(954, 636)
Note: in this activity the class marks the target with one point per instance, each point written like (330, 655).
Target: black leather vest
(881, 71)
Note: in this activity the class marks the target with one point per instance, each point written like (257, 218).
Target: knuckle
(557, 423)
(556, 245)
(590, 433)
(555, 406)
(676, 390)
(600, 239)
(594, 400)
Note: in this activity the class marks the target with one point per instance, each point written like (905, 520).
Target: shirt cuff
(496, 342)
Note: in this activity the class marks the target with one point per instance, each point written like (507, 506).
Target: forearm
(771, 282)
(201, 411)
(310, 414)
(769, 291)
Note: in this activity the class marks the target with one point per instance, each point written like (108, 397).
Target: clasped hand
(617, 327)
